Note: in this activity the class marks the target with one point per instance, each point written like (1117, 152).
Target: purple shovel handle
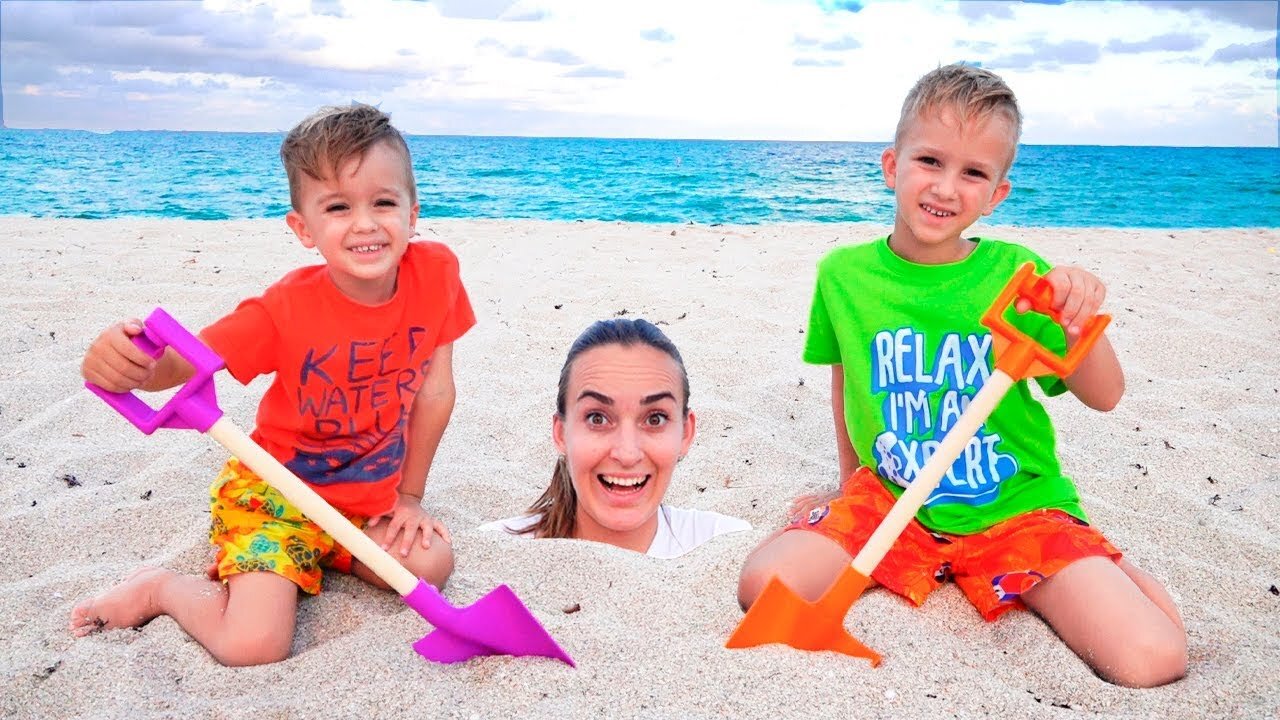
(194, 406)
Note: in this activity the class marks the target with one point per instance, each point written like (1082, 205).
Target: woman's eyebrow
(650, 399)
(599, 397)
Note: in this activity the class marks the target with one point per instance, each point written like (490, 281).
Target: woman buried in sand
(622, 423)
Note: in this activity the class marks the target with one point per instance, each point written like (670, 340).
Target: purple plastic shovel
(496, 624)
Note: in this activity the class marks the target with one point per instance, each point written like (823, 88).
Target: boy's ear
(1001, 192)
(298, 225)
(889, 166)
(413, 219)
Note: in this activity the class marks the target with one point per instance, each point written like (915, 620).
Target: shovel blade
(496, 624)
(779, 615)
(444, 647)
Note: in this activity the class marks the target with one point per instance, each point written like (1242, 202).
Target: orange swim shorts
(993, 567)
(256, 529)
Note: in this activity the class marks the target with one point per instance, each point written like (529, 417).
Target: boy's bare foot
(129, 604)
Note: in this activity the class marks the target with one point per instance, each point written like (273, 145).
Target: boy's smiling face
(945, 175)
(360, 221)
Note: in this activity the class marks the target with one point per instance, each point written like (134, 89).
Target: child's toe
(84, 619)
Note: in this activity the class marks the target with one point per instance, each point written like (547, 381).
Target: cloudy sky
(1180, 72)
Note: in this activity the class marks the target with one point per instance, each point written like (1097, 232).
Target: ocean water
(215, 176)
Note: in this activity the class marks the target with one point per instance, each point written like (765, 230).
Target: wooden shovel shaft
(313, 506)
(914, 497)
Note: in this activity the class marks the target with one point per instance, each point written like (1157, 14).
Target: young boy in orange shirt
(361, 347)
(897, 319)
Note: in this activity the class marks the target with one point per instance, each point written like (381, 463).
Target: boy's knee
(1151, 662)
(434, 566)
(806, 563)
(750, 584)
(248, 647)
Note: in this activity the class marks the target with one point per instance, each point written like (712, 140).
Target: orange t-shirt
(345, 374)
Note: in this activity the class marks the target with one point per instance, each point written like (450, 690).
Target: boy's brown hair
(971, 92)
(320, 144)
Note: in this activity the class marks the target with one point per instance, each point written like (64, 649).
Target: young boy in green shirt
(897, 320)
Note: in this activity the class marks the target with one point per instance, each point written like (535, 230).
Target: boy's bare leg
(247, 621)
(804, 561)
(433, 564)
(1117, 618)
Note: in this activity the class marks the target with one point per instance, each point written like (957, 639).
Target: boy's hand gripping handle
(1018, 355)
(194, 406)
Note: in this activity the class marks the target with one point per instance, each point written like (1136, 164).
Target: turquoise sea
(216, 176)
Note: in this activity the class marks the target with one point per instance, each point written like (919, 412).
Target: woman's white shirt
(679, 529)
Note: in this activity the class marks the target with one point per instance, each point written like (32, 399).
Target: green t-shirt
(914, 353)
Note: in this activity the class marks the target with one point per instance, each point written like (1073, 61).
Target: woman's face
(622, 432)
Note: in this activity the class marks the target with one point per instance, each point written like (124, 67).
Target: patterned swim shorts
(993, 567)
(256, 529)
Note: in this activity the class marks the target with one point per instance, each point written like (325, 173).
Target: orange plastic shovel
(779, 615)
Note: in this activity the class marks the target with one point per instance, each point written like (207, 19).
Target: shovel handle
(1018, 356)
(319, 511)
(930, 476)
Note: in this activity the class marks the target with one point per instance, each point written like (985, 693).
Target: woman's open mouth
(623, 484)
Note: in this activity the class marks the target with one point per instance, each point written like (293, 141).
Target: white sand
(1183, 476)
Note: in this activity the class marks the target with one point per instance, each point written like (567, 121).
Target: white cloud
(194, 79)
(1131, 72)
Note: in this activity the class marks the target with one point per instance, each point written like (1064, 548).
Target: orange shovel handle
(1017, 354)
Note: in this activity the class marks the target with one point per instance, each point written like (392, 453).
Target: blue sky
(1172, 72)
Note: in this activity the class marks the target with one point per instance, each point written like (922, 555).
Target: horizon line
(619, 138)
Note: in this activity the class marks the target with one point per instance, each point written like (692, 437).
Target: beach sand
(1183, 476)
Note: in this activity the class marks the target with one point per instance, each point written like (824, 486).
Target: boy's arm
(1077, 296)
(801, 505)
(844, 446)
(171, 370)
(432, 407)
(1098, 380)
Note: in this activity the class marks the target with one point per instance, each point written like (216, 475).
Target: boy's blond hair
(320, 144)
(972, 93)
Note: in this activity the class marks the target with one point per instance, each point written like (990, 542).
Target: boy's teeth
(936, 212)
(366, 248)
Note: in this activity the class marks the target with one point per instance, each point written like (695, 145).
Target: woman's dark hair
(557, 508)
